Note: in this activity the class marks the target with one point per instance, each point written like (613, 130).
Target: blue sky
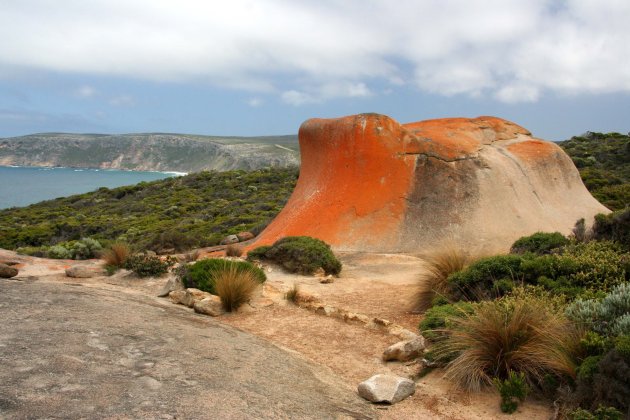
(558, 68)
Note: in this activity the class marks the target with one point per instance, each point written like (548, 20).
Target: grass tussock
(433, 282)
(233, 250)
(520, 335)
(116, 255)
(235, 287)
(293, 294)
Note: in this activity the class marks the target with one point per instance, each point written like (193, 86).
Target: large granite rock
(368, 183)
(6, 271)
(404, 351)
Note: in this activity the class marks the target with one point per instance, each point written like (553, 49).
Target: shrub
(258, 253)
(608, 316)
(233, 250)
(235, 287)
(437, 319)
(602, 413)
(116, 254)
(85, 248)
(304, 255)
(480, 280)
(539, 243)
(611, 382)
(614, 227)
(293, 294)
(149, 265)
(202, 274)
(433, 282)
(59, 252)
(508, 334)
(512, 390)
(599, 265)
(588, 368)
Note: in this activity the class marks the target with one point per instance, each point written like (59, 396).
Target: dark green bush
(613, 227)
(588, 368)
(539, 243)
(481, 280)
(149, 265)
(512, 390)
(258, 253)
(201, 275)
(304, 255)
(436, 319)
(602, 413)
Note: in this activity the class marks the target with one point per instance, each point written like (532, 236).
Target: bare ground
(377, 285)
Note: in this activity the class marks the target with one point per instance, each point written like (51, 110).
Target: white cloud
(255, 102)
(513, 50)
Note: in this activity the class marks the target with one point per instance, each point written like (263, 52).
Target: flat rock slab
(386, 388)
(86, 352)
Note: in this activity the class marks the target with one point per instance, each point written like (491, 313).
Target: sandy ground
(376, 285)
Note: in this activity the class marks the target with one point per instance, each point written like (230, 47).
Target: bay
(21, 186)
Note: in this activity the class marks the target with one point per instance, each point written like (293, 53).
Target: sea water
(21, 186)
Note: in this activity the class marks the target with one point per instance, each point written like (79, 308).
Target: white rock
(209, 306)
(386, 388)
(173, 283)
(404, 351)
(79, 271)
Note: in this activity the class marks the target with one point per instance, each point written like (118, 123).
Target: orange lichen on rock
(368, 183)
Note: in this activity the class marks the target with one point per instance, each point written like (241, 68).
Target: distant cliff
(150, 152)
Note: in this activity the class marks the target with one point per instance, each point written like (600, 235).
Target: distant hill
(603, 160)
(150, 152)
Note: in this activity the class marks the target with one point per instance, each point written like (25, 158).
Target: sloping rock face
(368, 183)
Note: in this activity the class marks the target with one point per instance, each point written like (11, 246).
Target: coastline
(80, 169)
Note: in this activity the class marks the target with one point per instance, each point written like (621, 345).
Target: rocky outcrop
(368, 183)
(149, 152)
(6, 271)
(404, 351)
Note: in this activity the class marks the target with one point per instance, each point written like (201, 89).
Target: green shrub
(539, 243)
(202, 274)
(512, 390)
(304, 255)
(258, 253)
(59, 252)
(480, 280)
(85, 248)
(602, 413)
(608, 316)
(614, 227)
(149, 265)
(599, 265)
(611, 382)
(438, 318)
(622, 345)
(588, 368)
(593, 344)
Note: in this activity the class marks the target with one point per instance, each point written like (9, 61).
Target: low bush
(434, 326)
(293, 294)
(614, 227)
(233, 250)
(235, 287)
(488, 277)
(149, 265)
(504, 335)
(258, 254)
(602, 413)
(301, 254)
(116, 255)
(512, 390)
(202, 274)
(433, 282)
(609, 316)
(539, 243)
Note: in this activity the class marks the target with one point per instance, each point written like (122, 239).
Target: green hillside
(604, 164)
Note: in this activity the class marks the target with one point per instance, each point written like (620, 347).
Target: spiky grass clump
(233, 250)
(234, 287)
(433, 282)
(293, 294)
(521, 335)
(116, 255)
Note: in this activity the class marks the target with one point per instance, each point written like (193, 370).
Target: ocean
(21, 186)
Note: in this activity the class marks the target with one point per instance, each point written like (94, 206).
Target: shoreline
(80, 169)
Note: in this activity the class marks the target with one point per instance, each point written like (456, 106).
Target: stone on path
(404, 351)
(6, 272)
(209, 306)
(80, 272)
(386, 388)
(188, 297)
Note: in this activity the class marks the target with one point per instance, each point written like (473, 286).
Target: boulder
(386, 388)
(328, 279)
(80, 272)
(244, 236)
(230, 239)
(6, 271)
(404, 351)
(188, 297)
(173, 283)
(479, 182)
(209, 306)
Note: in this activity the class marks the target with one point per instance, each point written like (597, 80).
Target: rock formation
(368, 183)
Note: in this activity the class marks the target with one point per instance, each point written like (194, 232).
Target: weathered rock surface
(230, 239)
(188, 297)
(173, 283)
(244, 236)
(368, 183)
(386, 388)
(209, 306)
(404, 351)
(6, 271)
(81, 272)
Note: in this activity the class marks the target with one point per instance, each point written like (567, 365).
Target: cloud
(306, 52)
(86, 91)
(255, 102)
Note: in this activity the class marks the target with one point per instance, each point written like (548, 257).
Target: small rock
(386, 388)
(173, 283)
(230, 239)
(404, 351)
(193, 295)
(209, 306)
(177, 296)
(325, 310)
(319, 272)
(6, 272)
(80, 272)
(244, 236)
(328, 279)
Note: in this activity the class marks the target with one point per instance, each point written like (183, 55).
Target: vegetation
(233, 250)
(539, 243)
(173, 214)
(604, 164)
(202, 275)
(149, 265)
(512, 390)
(116, 254)
(300, 254)
(234, 286)
(293, 294)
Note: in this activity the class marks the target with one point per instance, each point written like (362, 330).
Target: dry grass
(433, 281)
(235, 287)
(233, 250)
(116, 255)
(522, 335)
(293, 294)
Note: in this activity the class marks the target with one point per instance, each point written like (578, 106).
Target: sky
(261, 67)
